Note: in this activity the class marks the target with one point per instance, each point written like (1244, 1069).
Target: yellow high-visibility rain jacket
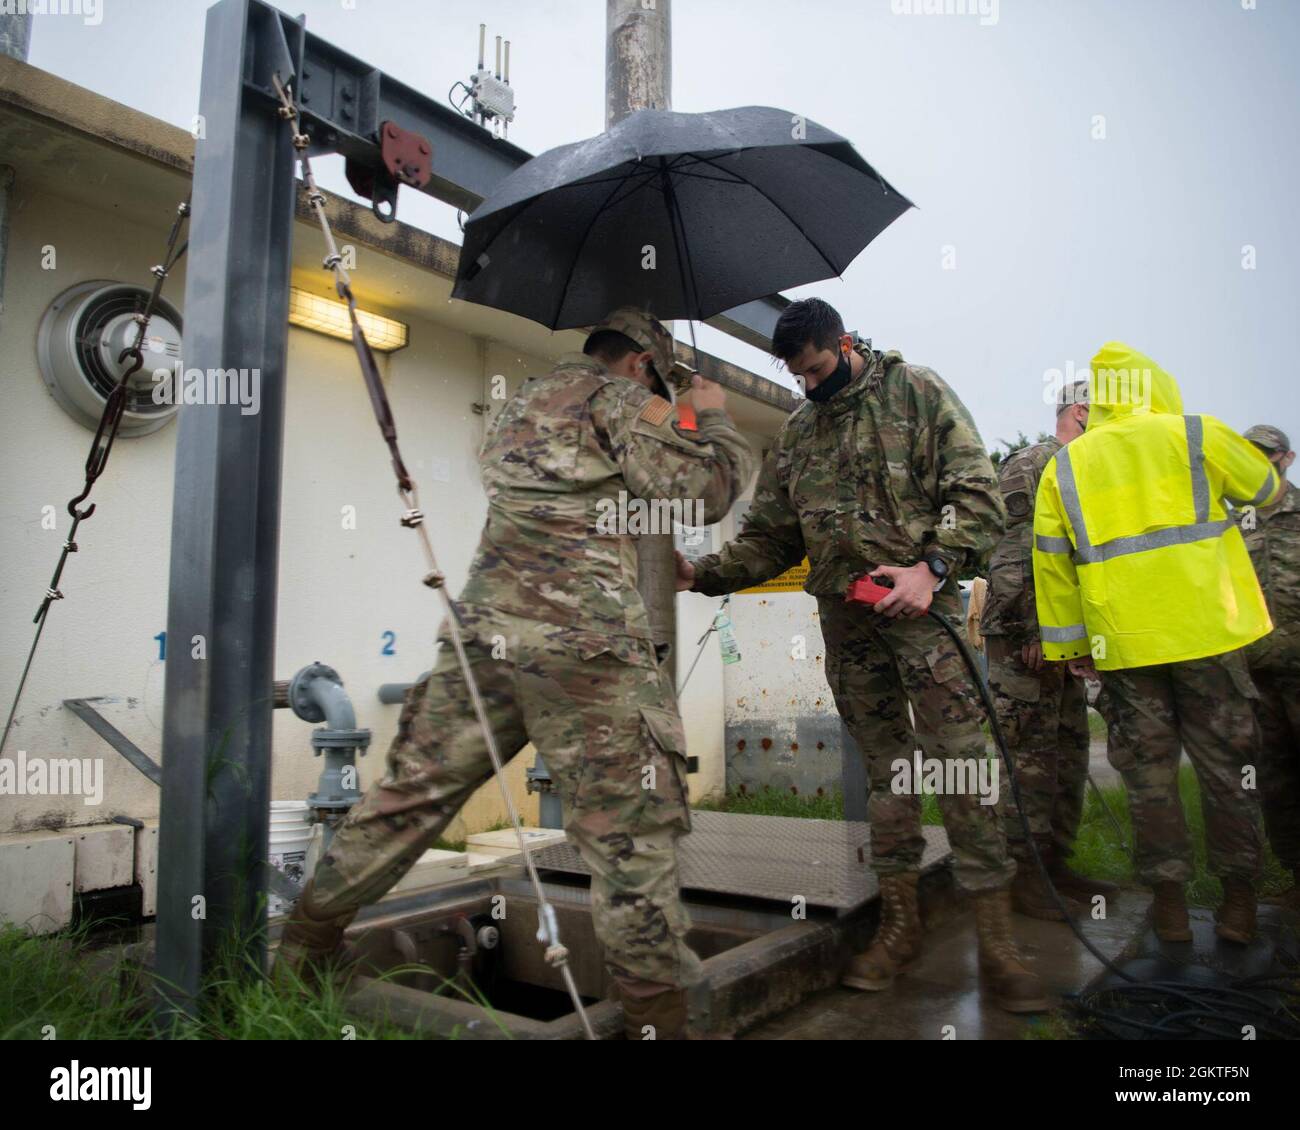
(1135, 558)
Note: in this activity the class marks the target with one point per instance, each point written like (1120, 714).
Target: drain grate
(771, 857)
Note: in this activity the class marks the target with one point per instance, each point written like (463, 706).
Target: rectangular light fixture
(326, 316)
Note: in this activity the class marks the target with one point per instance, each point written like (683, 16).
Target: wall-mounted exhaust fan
(80, 339)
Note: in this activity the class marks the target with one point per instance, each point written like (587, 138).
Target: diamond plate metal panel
(771, 857)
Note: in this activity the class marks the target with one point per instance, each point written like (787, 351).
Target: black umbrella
(685, 215)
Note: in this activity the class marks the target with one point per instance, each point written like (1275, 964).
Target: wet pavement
(940, 996)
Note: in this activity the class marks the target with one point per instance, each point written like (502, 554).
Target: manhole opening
(487, 952)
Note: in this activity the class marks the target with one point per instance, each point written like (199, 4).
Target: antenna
(490, 95)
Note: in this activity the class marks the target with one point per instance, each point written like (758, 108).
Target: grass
(58, 986)
(1100, 850)
(1098, 853)
(821, 805)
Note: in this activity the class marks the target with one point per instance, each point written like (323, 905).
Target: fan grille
(92, 329)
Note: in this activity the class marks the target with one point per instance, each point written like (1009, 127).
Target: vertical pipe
(482, 43)
(7, 179)
(497, 72)
(506, 78)
(226, 515)
(638, 76)
(16, 43)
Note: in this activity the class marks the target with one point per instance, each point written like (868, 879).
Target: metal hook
(131, 351)
(81, 515)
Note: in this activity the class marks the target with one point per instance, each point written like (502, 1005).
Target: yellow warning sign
(792, 580)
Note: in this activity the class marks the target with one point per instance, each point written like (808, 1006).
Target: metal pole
(15, 42)
(16, 35)
(639, 76)
(638, 57)
(226, 512)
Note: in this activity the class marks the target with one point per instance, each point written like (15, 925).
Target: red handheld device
(864, 590)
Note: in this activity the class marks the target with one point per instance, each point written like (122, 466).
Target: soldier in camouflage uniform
(1042, 708)
(1272, 535)
(882, 471)
(560, 644)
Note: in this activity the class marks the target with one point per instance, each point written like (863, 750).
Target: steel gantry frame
(221, 615)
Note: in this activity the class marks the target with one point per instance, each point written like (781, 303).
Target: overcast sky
(1084, 170)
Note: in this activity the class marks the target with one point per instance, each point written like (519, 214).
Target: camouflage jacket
(1009, 610)
(563, 468)
(1274, 544)
(888, 469)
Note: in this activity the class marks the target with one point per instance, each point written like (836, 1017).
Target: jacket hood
(1128, 383)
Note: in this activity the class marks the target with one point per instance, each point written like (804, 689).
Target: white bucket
(291, 833)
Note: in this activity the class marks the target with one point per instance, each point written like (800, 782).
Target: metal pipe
(16, 43)
(328, 695)
(7, 179)
(497, 73)
(393, 694)
(506, 78)
(482, 43)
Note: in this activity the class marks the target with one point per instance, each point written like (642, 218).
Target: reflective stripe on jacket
(1136, 561)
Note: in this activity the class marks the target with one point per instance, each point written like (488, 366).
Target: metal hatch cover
(771, 857)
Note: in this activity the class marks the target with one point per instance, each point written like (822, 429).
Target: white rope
(548, 930)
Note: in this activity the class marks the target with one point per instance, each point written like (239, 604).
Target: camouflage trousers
(1278, 714)
(1044, 719)
(603, 717)
(1204, 706)
(875, 667)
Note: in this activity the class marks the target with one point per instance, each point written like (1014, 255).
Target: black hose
(1193, 1011)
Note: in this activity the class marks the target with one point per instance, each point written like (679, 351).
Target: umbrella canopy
(684, 215)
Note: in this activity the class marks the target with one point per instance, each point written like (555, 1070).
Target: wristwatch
(939, 567)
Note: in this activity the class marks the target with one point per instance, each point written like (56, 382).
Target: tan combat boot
(898, 938)
(310, 942)
(1031, 897)
(1169, 913)
(649, 1005)
(1015, 988)
(1236, 916)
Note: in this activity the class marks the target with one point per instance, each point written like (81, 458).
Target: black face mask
(832, 384)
